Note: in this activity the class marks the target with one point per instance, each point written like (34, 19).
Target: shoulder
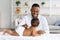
(27, 16)
(42, 17)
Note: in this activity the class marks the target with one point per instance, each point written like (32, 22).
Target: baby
(32, 30)
(28, 31)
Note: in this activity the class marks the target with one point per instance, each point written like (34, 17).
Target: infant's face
(36, 24)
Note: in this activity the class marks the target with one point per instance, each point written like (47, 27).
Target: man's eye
(32, 11)
(37, 11)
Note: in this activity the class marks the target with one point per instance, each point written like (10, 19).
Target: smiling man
(43, 26)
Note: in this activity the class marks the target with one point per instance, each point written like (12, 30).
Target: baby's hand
(40, 32)
(25, 26)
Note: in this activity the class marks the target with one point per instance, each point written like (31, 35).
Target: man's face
(35, 12)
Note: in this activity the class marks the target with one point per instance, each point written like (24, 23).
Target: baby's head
(35, 22)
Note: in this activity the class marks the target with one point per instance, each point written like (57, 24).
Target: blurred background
(12, 12)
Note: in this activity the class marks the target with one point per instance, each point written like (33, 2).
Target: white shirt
(27, 20)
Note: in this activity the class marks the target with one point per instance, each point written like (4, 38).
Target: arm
(10, 32)
(45, 25)
(21, 26)
(23, 22)
(40, 32)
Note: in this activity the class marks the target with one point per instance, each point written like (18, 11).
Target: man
(26, 21)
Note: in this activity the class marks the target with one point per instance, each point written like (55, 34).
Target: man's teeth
(35, 15)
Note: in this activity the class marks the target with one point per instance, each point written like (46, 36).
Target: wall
(5, 8)
(0, 19)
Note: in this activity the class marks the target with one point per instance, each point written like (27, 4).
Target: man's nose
(34, 12)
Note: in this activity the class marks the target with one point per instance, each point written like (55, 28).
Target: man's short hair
(35, 5)
(35, 22)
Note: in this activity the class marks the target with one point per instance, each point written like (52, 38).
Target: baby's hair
(35, 22)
